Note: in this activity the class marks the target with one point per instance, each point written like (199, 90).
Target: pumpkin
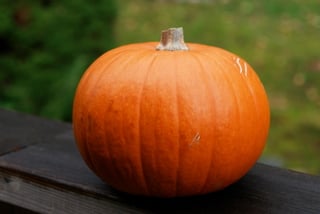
(170, 119)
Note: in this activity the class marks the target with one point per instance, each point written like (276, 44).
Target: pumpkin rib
(208, 89)
(245, 84)
(83, 148)
(126, 65)
(238, 102)
(251, 80)
(169, 72)
(91, 105)
(259, 113)
(140, 125)
(178, 127)
(141, 92)
(255, 98)
(113, 163)
(83, 84)
(126, 61)
(235, 103)
(213, 75)
(208, 75)
(89, 154)
(178, 71)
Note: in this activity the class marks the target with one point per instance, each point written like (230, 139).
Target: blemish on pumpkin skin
(245, 70)
(196, 139)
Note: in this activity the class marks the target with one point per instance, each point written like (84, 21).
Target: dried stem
(172, 40)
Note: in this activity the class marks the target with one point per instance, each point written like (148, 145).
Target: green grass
(280, 39)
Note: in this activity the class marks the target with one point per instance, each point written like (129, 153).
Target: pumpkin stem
(172, 40)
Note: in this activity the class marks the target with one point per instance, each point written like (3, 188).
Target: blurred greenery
(46, 46)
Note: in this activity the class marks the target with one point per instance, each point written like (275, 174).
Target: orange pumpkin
(170, 120)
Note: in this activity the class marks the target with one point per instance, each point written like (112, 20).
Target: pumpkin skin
(170, 123)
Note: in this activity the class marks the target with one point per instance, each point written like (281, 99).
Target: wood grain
(18, 130)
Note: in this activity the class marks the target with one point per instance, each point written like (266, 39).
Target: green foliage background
(45, 47)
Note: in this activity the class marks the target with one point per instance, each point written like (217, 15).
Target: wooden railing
(42, 171)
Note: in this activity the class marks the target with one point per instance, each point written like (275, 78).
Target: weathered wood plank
(18, 130)
(50, 176)
(43, 197)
